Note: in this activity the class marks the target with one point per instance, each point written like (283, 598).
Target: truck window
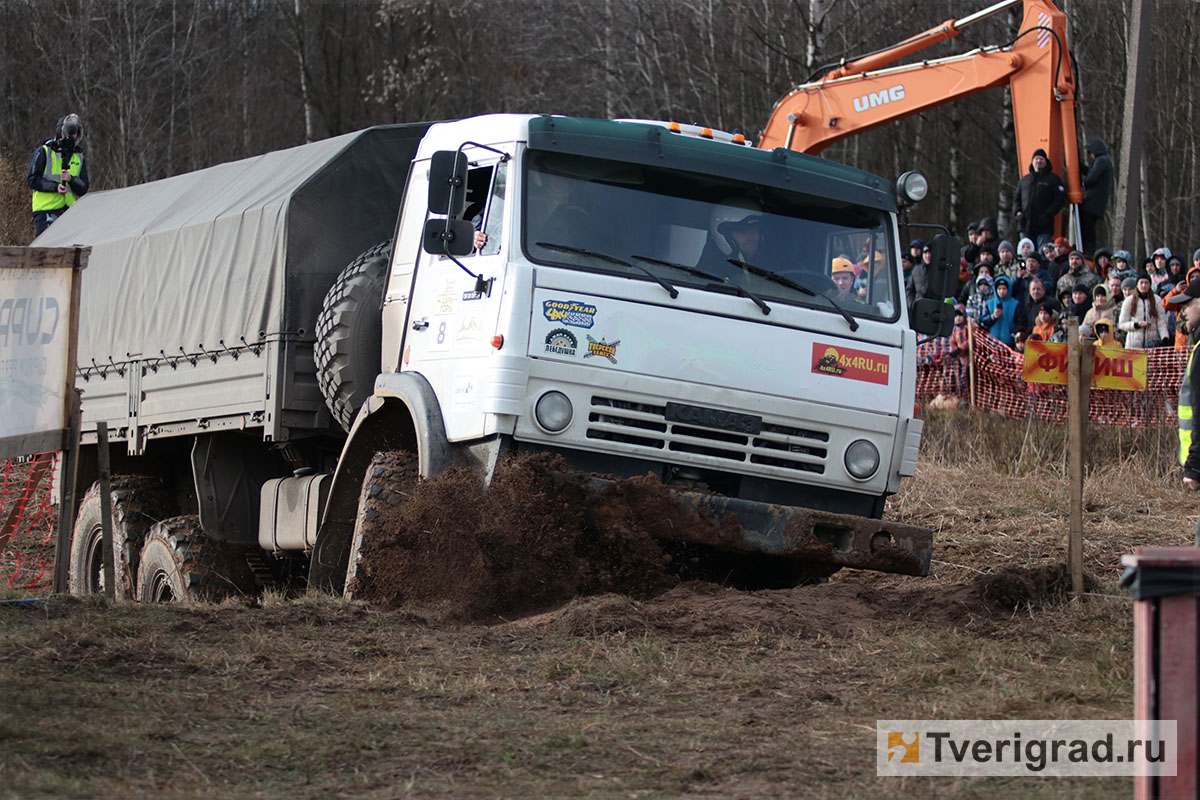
(485, 203)
(606, 216)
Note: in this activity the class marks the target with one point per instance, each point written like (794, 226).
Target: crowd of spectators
(1027, 292)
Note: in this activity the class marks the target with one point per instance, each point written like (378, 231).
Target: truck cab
(651, 298)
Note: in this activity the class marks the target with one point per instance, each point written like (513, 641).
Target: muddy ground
(614, 675)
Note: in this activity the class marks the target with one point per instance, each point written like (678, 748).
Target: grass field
(703, 691)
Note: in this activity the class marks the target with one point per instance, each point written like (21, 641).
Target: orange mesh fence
(943, 370)
(27, 523)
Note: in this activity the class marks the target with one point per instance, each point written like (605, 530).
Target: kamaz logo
(880, 98)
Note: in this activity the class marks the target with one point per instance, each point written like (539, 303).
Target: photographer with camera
(57, 173)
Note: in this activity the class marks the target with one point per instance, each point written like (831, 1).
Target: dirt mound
(846, 606)
(534, 540)
(1014, 587)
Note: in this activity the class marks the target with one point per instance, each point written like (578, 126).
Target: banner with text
(1112, 367)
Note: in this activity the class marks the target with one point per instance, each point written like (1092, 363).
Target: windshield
(682, 229)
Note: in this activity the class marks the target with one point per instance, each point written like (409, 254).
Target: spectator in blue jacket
(1004, 313)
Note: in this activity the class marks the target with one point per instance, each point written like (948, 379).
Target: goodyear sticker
(846, 362)
(570, 312)
(561, 341)
(602, 348)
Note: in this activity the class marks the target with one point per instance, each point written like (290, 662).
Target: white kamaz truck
(636, 296)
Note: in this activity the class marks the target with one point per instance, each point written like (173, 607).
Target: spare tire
(349, 334)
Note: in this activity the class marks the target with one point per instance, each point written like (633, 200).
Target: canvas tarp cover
(246, 249)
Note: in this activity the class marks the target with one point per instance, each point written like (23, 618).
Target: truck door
(450, 324)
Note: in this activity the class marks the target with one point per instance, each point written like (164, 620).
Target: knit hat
(1075, 253)
(1002, 279)
(1195, 255)
(1006, 245)
(1080, 287)
(1176, 260)
(1039, 152)
(1129, 283)
(1061, 240)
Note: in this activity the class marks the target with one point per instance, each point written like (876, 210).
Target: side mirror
(448, 183)
(931, 317)
(943, 267)
(448, 237)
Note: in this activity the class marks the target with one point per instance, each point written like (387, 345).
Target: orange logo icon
(909, 751)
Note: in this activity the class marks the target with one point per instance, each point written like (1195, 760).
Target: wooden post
(1166, 652)
(106, 531)
(1077, 388)
(66, 498)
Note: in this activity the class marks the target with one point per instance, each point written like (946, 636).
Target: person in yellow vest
(57, 173)
(1189, 392)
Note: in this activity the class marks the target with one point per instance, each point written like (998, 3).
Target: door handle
(420, 325)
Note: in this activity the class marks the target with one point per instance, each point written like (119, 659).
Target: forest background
(170, 86)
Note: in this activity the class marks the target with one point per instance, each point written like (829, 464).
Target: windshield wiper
(766, 309)
(565, 248)
(799, 287)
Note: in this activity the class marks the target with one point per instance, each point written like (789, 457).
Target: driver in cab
(734, 233)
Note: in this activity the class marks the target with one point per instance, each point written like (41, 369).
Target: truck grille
(643, 425)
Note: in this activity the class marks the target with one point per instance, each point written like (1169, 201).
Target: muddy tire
(137, 503)
(180, 564)
(389, 482)
(349, 334)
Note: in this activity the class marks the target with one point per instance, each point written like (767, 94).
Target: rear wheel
(180, 564)
(136, 502)
(349, 332)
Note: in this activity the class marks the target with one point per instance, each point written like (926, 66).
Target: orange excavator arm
(866, 93)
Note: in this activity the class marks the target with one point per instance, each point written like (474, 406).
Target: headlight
(911, 187)
(553, 411)
(862, 459)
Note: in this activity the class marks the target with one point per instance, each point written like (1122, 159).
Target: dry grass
(703, 692)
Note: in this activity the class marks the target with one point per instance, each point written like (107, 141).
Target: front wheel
(388, 483)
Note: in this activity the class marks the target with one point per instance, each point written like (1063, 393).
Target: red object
(1165, 650)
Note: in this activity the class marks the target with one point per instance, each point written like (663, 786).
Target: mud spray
(540, 537)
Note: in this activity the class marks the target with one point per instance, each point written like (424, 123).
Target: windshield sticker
(561, 341)
(570, 312)
(602, 348)
(844, 362)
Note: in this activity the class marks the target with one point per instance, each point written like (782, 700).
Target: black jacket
(1098, 180)
(1039, 197)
